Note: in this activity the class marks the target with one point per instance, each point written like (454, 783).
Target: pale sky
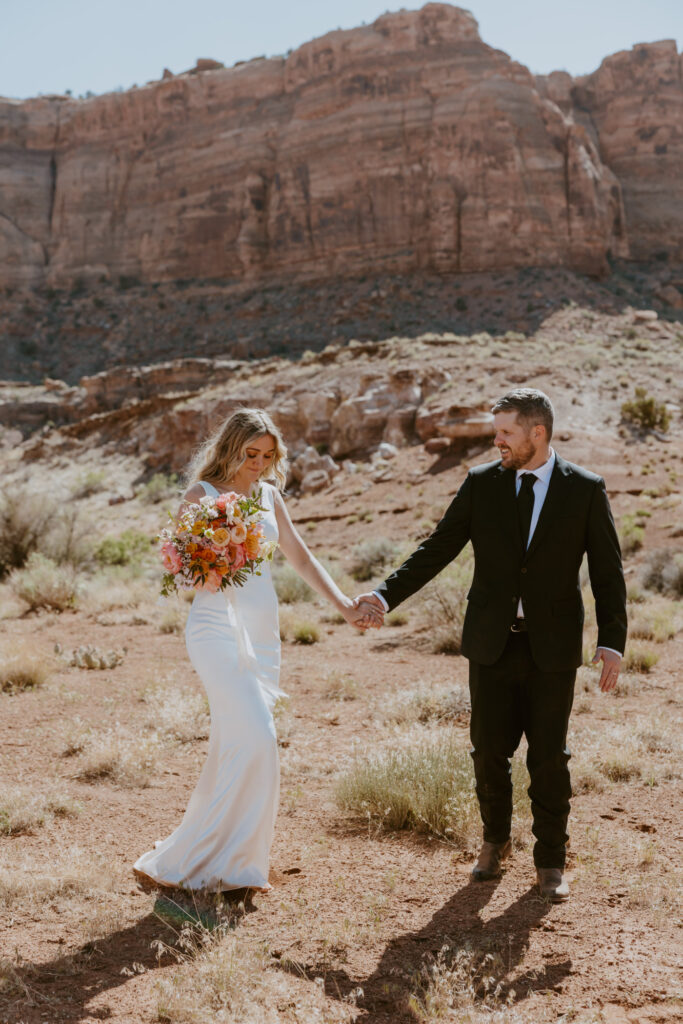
(100, 45)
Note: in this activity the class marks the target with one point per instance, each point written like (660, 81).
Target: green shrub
(370, 556)
(128, 547)
(631, 534)
(89, 483)
(44, 584)
(160, 487)
(646, 412)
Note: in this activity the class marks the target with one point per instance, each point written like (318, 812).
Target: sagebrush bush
(443, 604)
(663, 572)
(305, 632)
(31, 522)
(646, 412)
(370, 556)
(44, 584)
(289, 586)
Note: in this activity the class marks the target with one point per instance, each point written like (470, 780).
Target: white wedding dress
(233, 639)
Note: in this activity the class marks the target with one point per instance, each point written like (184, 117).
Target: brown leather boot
(553, 884)
(490, 859)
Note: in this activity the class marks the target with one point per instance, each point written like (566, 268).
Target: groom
(530, 516)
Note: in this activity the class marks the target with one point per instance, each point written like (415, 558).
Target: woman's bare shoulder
(194, 493)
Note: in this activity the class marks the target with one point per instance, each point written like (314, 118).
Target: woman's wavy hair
(222, 454)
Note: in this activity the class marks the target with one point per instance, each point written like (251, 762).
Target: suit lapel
(555, 501)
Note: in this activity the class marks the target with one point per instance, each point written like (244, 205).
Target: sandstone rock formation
(405, 145)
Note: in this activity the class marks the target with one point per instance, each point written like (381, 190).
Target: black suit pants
(512, 698)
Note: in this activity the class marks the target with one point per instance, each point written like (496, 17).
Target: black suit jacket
(575, 519)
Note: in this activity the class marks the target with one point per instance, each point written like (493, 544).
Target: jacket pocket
(478, 597)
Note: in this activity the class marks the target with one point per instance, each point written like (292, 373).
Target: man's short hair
(531, 405)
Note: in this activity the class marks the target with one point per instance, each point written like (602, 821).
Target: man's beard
(523, 454)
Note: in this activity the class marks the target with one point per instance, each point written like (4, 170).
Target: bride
(233, 640)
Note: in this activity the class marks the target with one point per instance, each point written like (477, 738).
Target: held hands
(369, 612)
(611, 664)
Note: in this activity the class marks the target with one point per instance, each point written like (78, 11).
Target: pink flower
(237, 556)
(223, 500)
(213, 582)
(170, 558)
(238, 533)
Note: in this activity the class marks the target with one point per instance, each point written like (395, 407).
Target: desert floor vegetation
(373, 916)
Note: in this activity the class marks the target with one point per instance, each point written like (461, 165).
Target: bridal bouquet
(215, 544)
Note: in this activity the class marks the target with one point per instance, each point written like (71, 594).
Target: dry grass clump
(24, 668)
(653, 620)
(44, 584)
(23, 810)
(461, 985)
(639, 658)
(283, 717)
(225, 978)
(339, 685)
(426, 786)
(65, 871)
(178, 714)
(116, 755)
(430, 703)
(371, 556)
(302, 631)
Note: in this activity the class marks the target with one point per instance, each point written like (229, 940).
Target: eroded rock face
(634, 102)
(405, 145)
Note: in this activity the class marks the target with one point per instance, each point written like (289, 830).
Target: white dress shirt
(543, 475)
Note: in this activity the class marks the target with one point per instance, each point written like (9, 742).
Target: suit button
(523, 570)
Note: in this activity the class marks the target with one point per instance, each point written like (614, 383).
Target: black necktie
(525, 505)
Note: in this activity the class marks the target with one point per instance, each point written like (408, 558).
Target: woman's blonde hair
(222, 454)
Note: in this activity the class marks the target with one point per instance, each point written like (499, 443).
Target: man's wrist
(376, 593)
(601, 647)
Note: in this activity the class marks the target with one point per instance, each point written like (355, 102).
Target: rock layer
(405, 145)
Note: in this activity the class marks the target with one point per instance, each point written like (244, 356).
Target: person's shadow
(458, 925)
(71, 981)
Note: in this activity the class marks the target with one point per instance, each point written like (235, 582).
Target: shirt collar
(543, 472)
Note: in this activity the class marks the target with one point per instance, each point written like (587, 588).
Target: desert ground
(373, 916)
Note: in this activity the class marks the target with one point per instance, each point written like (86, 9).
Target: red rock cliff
(407, 144)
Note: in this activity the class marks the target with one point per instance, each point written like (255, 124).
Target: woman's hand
(362, 616)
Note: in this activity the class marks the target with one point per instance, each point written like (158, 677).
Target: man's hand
(611, 665)
(372, 611)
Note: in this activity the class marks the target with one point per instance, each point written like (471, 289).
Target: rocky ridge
(461, 161)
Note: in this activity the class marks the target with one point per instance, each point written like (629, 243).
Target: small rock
(642, 316)
(437, 445)
(387, 451)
